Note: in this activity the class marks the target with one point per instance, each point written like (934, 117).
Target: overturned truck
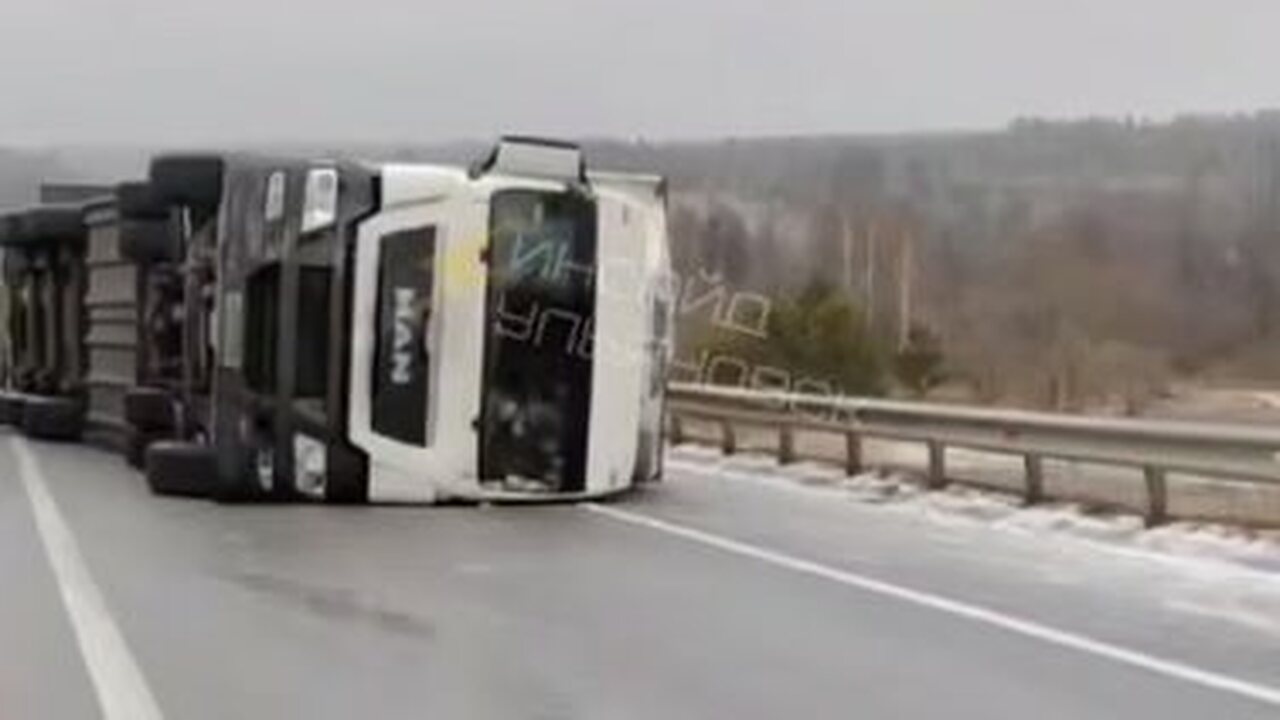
(341, 332)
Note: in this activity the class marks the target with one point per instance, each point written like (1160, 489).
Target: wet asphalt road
(574, 612)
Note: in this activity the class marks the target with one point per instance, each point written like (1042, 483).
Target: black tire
(52, 224)
(149, 241)
(16, 266)
(149, 409)
(10, 229)
(11, 404)
(52, 418)
(137, 201)
(188, 180)
(181, 468)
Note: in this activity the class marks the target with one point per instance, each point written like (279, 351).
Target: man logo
(403, 362)
(402, 344)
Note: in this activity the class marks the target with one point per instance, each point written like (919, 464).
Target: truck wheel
(148, 241)
(181, 468)
(54, 225)
(11, 408)
(10, 229)
(52, 418)
(149, 409)
(137, 201)
(190, 180)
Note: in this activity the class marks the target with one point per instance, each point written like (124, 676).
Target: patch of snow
(1268, 399)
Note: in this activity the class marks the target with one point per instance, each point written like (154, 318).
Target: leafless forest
(1084, 265)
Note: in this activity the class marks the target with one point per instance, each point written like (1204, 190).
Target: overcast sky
(182, 72)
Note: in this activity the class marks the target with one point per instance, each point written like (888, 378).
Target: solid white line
(122, 691)
(1027, 628)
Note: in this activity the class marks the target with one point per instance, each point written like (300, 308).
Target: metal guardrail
(1240, 453)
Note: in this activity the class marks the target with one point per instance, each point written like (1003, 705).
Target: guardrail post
(1034, 465)
(786, 445)
(937, 465)
(677, 430)
(852, 453)
(728, 439)
(1157, 496)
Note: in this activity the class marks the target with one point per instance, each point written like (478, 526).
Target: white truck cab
(511, 325)
(424, 333)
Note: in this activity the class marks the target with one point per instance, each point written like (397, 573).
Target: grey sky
(180, 72)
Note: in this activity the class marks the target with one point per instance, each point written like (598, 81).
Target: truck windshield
(540, 308)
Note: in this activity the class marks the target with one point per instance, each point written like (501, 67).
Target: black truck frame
(260, 308)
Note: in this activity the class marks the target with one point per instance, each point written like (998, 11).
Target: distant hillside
(1059, 263)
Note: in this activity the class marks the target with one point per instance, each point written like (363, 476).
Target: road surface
(704, 597)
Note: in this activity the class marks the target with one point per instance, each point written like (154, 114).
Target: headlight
(320, 206)
(309, 466)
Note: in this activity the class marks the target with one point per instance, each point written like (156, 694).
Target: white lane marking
(1020, 626)
(123, 693)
